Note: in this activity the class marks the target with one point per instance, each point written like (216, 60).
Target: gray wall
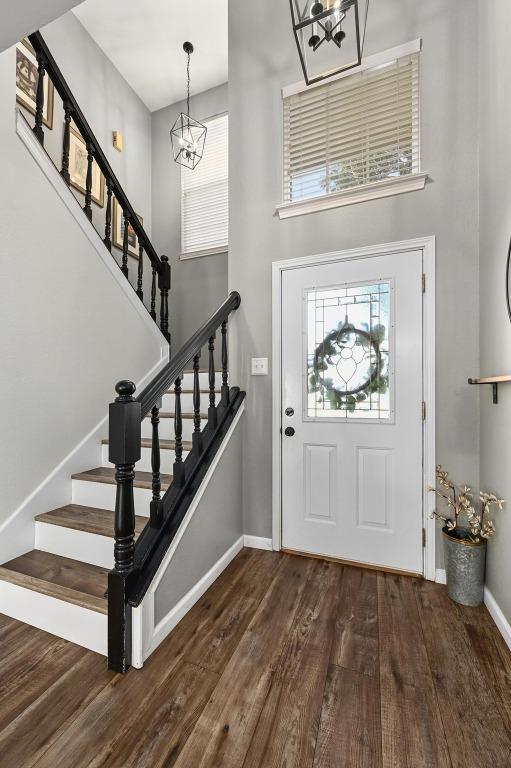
(260, 63)
(495, 232)
(25, 16)
(62, 319)
(199, 285)
(215, 526)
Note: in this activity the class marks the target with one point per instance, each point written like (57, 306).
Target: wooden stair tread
(106, 475)
(171, 415)
(146, 442)
(87, 519)
(60, 577)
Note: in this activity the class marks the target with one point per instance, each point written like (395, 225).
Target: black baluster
(178, 474)
(125, 243)
(212, 415)
(153, 295)
(196, 436)
(140, 276)
(108, 216)
(88, 182)
(65, 143)
(164, 286)
(155, 513)
(124, 452)
(39, 98)
(225, 374)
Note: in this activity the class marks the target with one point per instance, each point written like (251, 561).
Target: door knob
(289, 431)
(290, 412)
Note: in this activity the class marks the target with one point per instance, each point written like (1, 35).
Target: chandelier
(187, 135)
(329, 35)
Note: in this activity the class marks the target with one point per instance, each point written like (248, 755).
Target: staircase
(96, 556)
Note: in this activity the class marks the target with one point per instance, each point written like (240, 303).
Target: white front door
(352, 410)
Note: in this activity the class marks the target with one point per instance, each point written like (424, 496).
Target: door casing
(427, 245)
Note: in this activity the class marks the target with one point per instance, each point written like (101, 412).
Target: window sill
(205, 252)
(361, 194)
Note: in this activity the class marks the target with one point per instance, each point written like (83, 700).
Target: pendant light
(329, 35)
(188, 135)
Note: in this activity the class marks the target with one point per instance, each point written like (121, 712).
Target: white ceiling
(144, 40)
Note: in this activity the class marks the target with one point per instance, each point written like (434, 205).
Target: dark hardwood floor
(286, 662)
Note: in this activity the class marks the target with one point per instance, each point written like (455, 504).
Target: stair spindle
(39, 98)
(66, 143)
(212, 414)
(178, 471)
(225, 373)
(125, 242)
(108, 216)
(153, 295)
(196, 435)
(155, 507)
(88, 182)
(140, 275)
(164, 285)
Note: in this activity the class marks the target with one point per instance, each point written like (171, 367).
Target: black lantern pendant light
(329, 35)
(188, 136)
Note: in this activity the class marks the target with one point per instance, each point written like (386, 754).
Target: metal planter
(465, 564)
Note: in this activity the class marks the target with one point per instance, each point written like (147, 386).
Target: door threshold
(354, 563)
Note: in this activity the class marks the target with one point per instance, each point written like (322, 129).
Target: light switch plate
(259, 366)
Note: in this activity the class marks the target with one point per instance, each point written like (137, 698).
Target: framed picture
(78, 169)
(118, 230)
(27, 76)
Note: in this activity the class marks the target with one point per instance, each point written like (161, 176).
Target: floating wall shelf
(494, 381)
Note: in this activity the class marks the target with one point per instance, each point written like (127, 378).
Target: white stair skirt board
(167, 456)
(72, 622)
(78, 545)
(172, 619)
(257, 542)
(498, 617)
(440, 576)
(102, 495)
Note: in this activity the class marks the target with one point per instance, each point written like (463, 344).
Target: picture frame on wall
(27, 75)
(78, 169)
(118, 231)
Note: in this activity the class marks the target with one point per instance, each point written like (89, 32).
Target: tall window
(205, 195)
(354, 130)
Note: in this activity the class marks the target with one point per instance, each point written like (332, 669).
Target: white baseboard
(257, 542)
(440, 576)
(167, 624)
(498, 617)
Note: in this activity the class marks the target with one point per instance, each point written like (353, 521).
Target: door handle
(289, 431)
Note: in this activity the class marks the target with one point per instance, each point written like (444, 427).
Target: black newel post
(124, 452)
(39, 98)
(212, 415)
(164, 286)
(65, 143)
(196, 435)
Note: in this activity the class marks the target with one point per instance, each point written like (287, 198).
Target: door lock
(290, 412)
(289, 431)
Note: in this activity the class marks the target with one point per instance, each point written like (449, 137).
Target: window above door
(354, 138)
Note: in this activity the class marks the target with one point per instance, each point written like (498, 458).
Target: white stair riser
(78, 545)
(72, 622)
(166, 428)
(187, 401)
(167, 457)
(102, 495)
(187, 381)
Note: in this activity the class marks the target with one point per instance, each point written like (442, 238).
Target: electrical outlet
(259, 366)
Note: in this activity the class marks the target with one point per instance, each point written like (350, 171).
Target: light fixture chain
(188, 84)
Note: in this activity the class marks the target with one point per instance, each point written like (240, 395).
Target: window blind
(355, 130)
(205, 196)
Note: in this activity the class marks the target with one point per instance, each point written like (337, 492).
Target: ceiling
(144, 40)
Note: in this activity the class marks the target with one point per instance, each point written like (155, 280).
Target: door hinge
(423, 283)
(423, 537)
(423, 411)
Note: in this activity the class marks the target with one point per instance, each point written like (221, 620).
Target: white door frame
(427, 245)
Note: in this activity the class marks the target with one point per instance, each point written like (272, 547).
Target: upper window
(355, 130)
(205, 195)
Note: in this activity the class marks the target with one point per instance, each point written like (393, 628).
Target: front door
(352, 410)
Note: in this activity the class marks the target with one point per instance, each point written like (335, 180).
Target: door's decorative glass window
(348, 345)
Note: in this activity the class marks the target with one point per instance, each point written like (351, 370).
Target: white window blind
(355, 130)
(205, 196)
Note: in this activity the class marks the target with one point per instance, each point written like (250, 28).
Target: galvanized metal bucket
(465, 562)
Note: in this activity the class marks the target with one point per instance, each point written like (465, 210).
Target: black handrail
(59, 81)
(167, 376)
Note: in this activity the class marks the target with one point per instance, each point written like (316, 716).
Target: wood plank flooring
(286, 662)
